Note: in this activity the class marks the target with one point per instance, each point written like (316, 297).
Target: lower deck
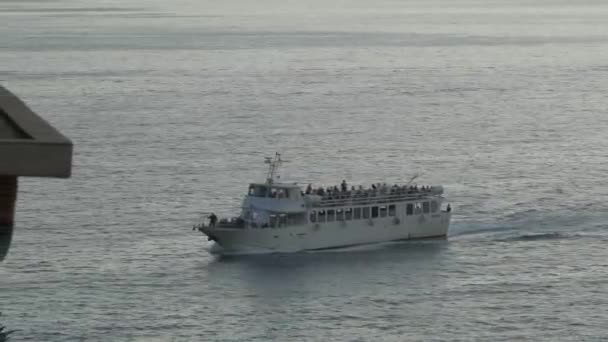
(316, 235)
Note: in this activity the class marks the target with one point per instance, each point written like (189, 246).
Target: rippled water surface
(173, 105)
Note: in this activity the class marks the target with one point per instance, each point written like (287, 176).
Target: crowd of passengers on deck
(378, 189)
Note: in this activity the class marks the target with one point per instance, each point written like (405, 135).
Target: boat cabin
(275, 190)
(273, 204)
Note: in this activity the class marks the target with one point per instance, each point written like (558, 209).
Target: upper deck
(365, 197)
(274, 196)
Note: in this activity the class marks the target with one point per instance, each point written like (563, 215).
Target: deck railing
(369, 198)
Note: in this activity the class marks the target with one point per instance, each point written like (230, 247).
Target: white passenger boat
(282, 217)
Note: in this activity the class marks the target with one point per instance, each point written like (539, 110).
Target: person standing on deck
(212, 220)
(309, 189)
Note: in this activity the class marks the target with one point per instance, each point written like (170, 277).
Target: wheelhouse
(280, 191)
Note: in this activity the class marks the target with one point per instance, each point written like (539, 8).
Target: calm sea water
(173, 105)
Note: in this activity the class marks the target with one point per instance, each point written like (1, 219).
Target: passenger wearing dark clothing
(309, 189)
(212, 220)
(344, 186)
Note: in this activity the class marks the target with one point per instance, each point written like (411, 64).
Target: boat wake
(462, 229)
(532, 228)
(542, 236)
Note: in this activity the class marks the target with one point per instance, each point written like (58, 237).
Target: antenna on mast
(273, 167)
(418, 174)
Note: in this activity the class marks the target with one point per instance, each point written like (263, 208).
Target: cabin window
(383, 211)
(321, 216)
(296, 218)
(313, 216)
(282, 220)
(409, 209)
(391, 210)
(331, 215)
(339, 215)
(434, 206)
(366, 212)
(374, 212)
(417, 209)
(273, 220)
(426, 208)
(278, 193)
(357, 213)
(348, 213)
(258, 191)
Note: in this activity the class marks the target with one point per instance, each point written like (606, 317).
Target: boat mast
(273, 167)
(413, 178)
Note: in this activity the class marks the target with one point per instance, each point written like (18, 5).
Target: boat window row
(421, 208)
(273, 192)
(347, 214)
(279, 220)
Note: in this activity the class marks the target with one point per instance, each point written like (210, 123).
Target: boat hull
(330, 234)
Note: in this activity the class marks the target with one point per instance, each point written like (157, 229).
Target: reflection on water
(272, 274)
(339, 257)
(313, 287)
